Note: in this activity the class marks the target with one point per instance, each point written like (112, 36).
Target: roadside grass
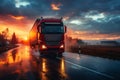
(112, 52)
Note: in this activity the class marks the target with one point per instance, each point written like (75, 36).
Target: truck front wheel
(60, 54)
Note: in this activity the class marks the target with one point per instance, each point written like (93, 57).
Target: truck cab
(48, 35)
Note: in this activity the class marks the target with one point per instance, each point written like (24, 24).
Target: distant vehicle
(48, 34)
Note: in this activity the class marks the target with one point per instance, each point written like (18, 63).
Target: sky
(85, 19)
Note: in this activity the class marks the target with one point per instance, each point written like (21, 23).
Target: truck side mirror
(65, 28)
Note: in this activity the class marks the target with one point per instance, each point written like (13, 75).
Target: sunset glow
(19, 3)
(25, 38)
(19, 32)
(87, 35)
(21, 28)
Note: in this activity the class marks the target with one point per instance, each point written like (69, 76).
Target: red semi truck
(48, 35)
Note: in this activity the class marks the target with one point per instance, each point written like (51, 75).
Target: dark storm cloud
(73, 9)
(7, 7)
(104, 24)
(36, 8)
(42, 7)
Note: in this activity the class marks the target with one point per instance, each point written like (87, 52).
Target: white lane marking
(91, 70)
(75, 67)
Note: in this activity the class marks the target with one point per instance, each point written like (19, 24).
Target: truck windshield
(53, 29)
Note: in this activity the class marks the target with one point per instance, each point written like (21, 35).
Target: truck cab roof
(50, 19)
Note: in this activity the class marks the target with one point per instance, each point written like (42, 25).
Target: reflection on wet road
(14, 63)
(23, 63)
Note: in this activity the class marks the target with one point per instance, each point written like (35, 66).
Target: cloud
(17, 17)
(76, 22)
(19, 3)
(94, 15)
(82, 15)
(93, 20)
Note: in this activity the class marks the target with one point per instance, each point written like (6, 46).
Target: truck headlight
(44, 47)
(62, 46)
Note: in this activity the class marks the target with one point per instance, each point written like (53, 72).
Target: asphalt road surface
(23, 63)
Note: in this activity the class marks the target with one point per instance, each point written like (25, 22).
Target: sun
(25, 38)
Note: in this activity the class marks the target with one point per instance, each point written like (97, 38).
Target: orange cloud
(17, 17)
(55, 6)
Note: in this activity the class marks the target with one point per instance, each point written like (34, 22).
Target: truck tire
(60, 55)
(41, 53)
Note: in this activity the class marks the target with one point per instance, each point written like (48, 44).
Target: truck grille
(53, 39)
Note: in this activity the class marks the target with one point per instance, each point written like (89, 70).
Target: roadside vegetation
(7, 41)
(112, 52)
(105, 51)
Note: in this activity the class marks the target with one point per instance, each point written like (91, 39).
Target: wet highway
(24, 63)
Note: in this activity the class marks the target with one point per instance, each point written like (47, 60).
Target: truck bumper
(52, 51)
